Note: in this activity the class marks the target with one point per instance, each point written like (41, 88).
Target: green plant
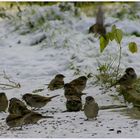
(117, 35)
(106, 74)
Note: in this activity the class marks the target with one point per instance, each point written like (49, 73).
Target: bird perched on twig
(79, 83)
(3, 102)
(98, 27)
(74, 103)
(127, 79)
(17, 107)
(70, 90)
(57, 82)
(15, 120)
(91, 108)
(37, 101)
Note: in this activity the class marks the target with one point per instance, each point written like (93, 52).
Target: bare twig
(5, 86)
(7, 78)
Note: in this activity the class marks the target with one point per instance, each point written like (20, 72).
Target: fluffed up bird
(57, 82)
(3, 102)
(79, 83)
(37, 101)
(91, 108)
(73, 104)
(70, 90)
(98, 27)
(127, 79)
(17, 107)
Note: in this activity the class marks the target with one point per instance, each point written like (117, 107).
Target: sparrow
(91, 108)
(70, 90)
(79, 83)
(98, 27)
(57, 82)
(127, 79)
(15, 120)
(74, 104)
(34, 117)
(3, 102)
(36, 101)
(17, 107)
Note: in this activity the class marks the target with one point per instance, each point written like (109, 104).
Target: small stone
(111, 129)
(85, 129)
(119, 131)
(81, 123)
(19, 42)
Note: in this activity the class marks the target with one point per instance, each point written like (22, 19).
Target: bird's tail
(47, 117)
(54, 96)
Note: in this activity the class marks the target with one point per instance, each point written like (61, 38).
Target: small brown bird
(37, 101)
(74, 104)
(70, 90)
(15, 120)
(98, 27)
(79, 83)
(127, 79)
(91, 108)
(57, 82)
(34, 117)
(3, 102)
(17, 107)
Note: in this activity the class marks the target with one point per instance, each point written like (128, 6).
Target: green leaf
(103, 43)
(113, 28)
(133, 47)
(111, 35)
(118, 34)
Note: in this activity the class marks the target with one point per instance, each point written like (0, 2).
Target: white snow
(67, 47)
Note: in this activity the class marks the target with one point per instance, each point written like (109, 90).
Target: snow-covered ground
(70, 50)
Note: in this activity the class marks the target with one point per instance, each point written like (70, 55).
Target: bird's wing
(51, 83)
(96, 107)
(38, 98)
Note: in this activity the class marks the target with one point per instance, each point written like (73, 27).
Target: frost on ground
(40, 42)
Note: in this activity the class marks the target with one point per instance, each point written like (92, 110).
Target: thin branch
(5, 86)
(7, 78)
